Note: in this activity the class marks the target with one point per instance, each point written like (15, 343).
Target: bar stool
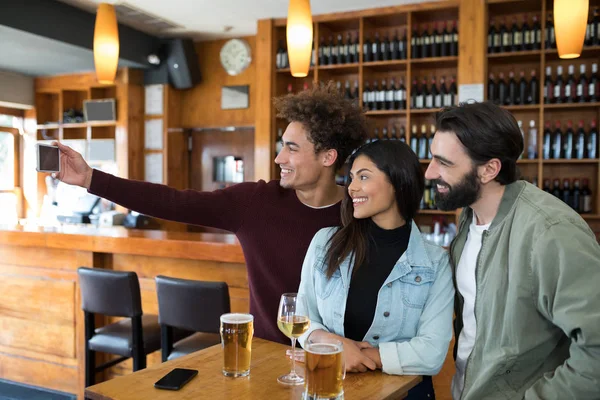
(190, 305)
(115, 294)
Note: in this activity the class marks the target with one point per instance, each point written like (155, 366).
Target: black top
(384, 250)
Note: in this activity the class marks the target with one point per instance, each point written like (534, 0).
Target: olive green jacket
(537, 303)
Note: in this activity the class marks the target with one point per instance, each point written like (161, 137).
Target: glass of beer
(293, 321)
(236, 341)
(324, 369)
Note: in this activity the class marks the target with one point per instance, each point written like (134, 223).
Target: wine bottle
(492, 92)
(532, 148)
(557, 145)
(580, 149)
(568, 141)
(534, 89)
(512, 90)
(547, 144)
(548, 87)
(592, 141)
(536, 34)
(491, 35)
(415, 44)
(367, 50)
(582, 85)
(425, 42)
(571, 86)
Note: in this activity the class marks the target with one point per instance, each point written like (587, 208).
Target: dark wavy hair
(332, 121)
(401, 166)
(486, 131)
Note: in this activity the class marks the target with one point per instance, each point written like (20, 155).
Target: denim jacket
(413, 318)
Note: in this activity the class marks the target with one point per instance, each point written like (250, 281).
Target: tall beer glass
(292, 320)
(324, 369)
(236, 340)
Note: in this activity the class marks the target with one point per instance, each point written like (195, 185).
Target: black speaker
(182, 64)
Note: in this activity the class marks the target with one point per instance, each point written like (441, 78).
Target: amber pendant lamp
(299, 35)
(570, 23)
(106, 43)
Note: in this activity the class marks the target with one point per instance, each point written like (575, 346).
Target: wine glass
(292, 320)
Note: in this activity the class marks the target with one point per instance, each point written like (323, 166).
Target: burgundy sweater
(274, 229)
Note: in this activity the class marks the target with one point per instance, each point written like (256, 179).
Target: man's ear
(329, 157)
(490, 170)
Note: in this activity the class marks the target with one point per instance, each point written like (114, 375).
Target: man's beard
(463, 194)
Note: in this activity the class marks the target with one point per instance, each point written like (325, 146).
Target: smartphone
(176, 379)
(48, 158)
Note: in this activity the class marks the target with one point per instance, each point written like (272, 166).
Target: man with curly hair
(274, 221)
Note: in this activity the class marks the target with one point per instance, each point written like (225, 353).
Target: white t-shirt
(465, 280)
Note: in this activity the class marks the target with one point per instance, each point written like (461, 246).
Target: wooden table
(268, 362)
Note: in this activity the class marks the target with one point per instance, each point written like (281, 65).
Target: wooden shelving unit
(538, 60)
(390, 21)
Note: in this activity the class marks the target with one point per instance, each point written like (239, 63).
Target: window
(10, 193)
(7, 120)
(7, 161)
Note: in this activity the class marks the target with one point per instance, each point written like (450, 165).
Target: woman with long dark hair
(375, 283)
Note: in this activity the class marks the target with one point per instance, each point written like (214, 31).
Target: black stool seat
(197, 341)
(115, 294)
(191, 305)
(116, 338)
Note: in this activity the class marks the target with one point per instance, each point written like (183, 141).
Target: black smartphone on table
(176, 379)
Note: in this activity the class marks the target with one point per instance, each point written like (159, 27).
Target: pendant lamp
(106, 43)
(570, 23)
(299, 34)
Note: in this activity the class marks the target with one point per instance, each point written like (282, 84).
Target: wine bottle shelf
(440, 61)
(567, 106)
(567, 161)
(526, 161)
(424, 111)
(552, 54)
(386, 112)
(590, 216)
(339, 67)
(516, 56)
(527, 107)
(436, 212)
(372, 64)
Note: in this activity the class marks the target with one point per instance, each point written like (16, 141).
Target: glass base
(291, 379)
(232, 374)
(306, 396)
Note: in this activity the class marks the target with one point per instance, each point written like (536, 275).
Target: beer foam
(323, 348)
(236, 318)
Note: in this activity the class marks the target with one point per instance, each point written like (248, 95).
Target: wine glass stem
(293, 373)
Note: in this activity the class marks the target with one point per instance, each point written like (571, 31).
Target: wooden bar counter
(41, 322)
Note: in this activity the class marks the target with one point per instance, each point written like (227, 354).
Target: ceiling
(202, 20)
(37, 55)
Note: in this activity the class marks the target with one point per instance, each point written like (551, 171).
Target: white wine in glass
(293, 322)
(294, 326)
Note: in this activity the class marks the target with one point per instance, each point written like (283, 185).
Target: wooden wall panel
(44, 337)
(149, 267)
(203, 102)
(215, 143)
(265, 89)
(45, 257)
(39, 373)
(46, 300)
(38, 316)
(472, 43)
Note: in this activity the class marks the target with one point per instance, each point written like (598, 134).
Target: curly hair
(332, 121)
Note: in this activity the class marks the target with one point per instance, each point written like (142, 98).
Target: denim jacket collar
(415, 256)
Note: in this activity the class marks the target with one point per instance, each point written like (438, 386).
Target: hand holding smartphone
(176, 379)
(48, 158)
